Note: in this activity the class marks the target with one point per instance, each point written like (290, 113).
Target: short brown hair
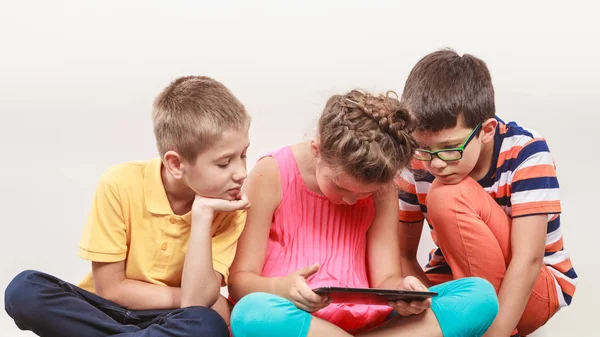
(366, 136)
(444, 85)
(191, 113)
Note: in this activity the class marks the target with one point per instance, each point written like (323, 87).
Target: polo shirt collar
(154, 192)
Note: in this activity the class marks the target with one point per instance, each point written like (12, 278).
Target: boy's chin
(230, 195)
(452, 179)
(224, 196)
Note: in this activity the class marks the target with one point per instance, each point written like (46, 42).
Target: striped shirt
(523, 182)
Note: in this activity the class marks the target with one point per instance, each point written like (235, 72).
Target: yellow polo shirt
(131, 220)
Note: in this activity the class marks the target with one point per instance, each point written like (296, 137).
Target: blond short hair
(192, 112)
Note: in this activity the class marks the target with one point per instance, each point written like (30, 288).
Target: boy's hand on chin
(208, 206)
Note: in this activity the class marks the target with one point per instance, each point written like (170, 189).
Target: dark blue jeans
(50, 307)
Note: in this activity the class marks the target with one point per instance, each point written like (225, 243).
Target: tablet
(372, 296)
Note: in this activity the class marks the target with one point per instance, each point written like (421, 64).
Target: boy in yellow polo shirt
(161, 234)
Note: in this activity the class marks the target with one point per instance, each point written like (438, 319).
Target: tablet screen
(372, 296)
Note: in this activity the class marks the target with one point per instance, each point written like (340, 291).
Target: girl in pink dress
(325, 213)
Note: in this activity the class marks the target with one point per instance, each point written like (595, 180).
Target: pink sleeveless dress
(307, 228)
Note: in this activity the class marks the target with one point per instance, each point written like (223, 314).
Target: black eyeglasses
(452, 154)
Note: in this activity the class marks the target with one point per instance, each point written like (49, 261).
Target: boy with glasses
(489, 192)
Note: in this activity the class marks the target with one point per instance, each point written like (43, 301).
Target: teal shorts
(465, 307)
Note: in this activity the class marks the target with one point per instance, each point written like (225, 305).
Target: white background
(77, 79)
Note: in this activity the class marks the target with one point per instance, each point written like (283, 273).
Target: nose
(437, 163)
(240, 173)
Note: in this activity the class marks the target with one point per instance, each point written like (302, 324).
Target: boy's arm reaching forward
(410, 237)
(534, 195)
(410, 226)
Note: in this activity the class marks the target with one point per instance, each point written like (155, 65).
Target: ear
(488, 130)
(174, 164)
(315, 150)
